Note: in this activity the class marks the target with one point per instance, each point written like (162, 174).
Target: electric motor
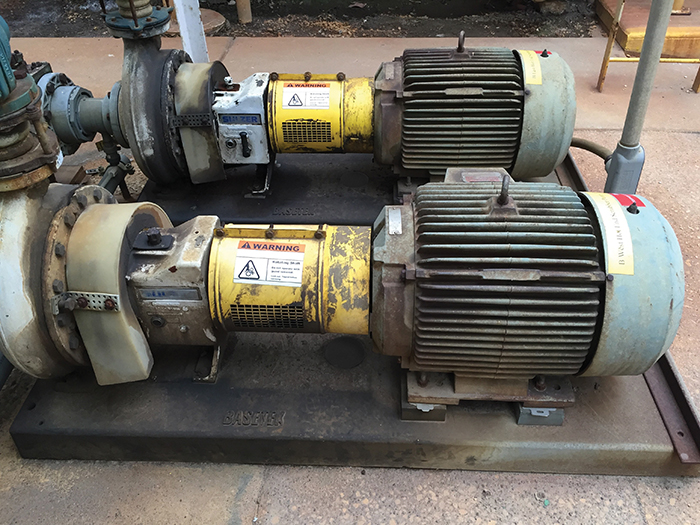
(490, 278)
(483, 107)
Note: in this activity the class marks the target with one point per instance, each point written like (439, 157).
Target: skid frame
(278, 401)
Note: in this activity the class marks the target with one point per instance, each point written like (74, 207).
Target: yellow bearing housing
(321, 115)
(291, 278)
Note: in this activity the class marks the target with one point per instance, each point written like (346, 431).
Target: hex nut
(73, 341)
(57, 286)
(68, 304)
(97, 194)
(59, 250)
(82, 201)
(153, 236)
(82, 302)
(69, 219)
(62, 320)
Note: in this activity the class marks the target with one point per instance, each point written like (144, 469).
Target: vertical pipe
(659, 17)
(245, 15)
(625, 166)
(191, 30)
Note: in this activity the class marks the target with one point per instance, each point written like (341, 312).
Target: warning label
(249, 271)
(619, 252)
(273, 263)
(306, 95)
(627, 200)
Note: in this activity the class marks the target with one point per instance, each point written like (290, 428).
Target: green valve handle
(7, 77)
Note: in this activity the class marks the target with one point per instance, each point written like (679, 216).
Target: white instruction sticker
(531, 67)
(619, 251)
(306, 95)
(275, 263)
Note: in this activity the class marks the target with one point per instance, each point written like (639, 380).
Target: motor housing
(489, 279)
(483, 107)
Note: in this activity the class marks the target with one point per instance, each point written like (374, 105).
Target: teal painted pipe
(7, 77)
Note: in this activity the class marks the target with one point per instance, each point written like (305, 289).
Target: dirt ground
(513, 18)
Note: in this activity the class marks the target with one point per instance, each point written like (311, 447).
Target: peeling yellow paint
(333, 292)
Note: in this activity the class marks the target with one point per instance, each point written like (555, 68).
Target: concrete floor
(87, 492)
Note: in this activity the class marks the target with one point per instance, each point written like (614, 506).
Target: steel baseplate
(278, 401)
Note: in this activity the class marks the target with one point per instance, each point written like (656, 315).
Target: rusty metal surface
(26, 179)
(676, 407)
(23, 153)
(277, 401)
(443, 389)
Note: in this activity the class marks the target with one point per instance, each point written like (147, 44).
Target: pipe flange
(61, 325)
(113, 115)
(27, 167)
(25, 180)
(61, 100)
(146, 109)
(157, 23)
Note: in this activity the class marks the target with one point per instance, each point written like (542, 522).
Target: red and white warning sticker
(306, 95)
(627, 200)
(273, 263)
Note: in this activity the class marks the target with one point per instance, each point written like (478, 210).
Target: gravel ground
(62, 18)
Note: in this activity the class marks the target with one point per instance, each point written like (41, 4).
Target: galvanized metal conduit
(625, 166)
(659, 17)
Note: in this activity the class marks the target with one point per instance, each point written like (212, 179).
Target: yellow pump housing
(324, 114)
(291, 278)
